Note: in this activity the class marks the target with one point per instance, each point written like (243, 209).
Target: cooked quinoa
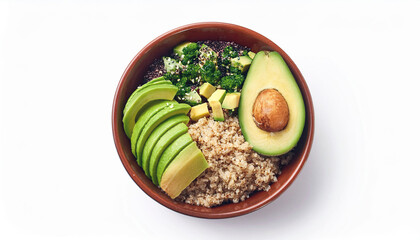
(235, 170)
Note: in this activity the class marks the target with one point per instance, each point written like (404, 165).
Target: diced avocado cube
(241, 62)
(171, 64)
(218, 95)
(192, 98)
(251, 55)
(217, 111)
(206, 54)
(199, 111)
(231, 100)
(206, 90)
(178, 49)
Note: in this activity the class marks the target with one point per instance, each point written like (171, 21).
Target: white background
(61, 177)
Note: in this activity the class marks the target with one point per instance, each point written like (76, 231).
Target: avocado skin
(159, 134)
(169, 111)
(140, 100)
(184, 168)
(150, 110)
(168, 155)
(167, 138)
(155, 81)
(269, 70)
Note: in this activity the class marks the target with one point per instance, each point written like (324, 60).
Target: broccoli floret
(188, 77)
(210, 74)
(231, 83)
(190, 53)
(173, 77)
(229, 52)
(182, 87)
(181, 82)
(192, 73)
(245, 53)
(235, 71)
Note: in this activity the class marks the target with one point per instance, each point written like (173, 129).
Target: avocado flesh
(178, 131)
(172, 110)
(155, 81)
(269, 71)
(149, 111)
(186, 167)
(146, 95)
(170, 64)
(241, 62)
(163, 132)
(192, 98)
(218, 95)
(217, 111)
(178, 49)
(231, 100)
(199, 111)
(206, 54)
(168, 155)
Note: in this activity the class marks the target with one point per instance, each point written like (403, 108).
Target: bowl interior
(134, 76)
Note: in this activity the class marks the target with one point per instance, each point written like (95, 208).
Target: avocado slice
(231, 100)
(159, 133)
(155, 81)
(269, 71)
(186, 167)
(141, 98)
(217, 111)
(162, 144)
(172, 110)
(168, 155)
(241, 62)
(150, 110)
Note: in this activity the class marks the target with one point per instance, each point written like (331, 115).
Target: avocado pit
(270, 111)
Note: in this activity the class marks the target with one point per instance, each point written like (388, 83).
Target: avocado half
(269, 71)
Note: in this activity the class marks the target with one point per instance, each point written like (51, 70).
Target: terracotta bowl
(134, 76)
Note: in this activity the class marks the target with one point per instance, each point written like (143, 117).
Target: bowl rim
(305, 149)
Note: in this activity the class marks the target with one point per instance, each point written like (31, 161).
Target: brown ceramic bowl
(163, 45)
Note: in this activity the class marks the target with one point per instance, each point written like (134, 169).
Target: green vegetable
(206, 54)
(227, 54)
(182, 87)
(192, 73)
(190, 53)
(210, 74)
(198, 64)
(171, 64)
(231, 83)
